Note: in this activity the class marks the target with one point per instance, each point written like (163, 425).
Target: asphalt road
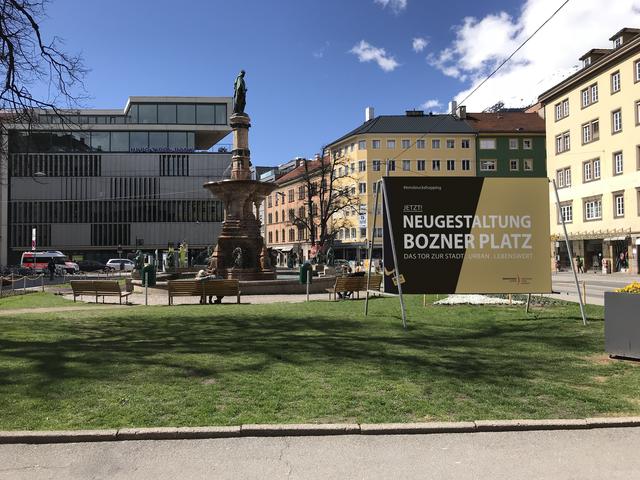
(610, 453)
(596, 285)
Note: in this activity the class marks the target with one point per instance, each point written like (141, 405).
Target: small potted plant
(622, 322)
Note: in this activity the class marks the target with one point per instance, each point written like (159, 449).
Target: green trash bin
(149, 275)
(304, 268)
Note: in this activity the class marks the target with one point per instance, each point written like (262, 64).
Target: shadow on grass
(232, 341)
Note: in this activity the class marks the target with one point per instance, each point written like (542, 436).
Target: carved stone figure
(265, 259)
(238, 260)
(239, 93)
(330, 256)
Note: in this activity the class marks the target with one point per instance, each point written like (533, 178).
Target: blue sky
(306, 83)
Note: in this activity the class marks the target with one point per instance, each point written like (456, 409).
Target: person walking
(51, 266)
(580, 263)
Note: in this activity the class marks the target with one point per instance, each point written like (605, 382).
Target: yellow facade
(602, 199)
(367, 166)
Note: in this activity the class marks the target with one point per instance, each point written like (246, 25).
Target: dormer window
(586, 62)
(617, 42)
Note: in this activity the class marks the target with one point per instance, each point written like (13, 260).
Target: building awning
(284, 249)
(614, 239)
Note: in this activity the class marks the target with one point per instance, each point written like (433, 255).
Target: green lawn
(315, 362)
(31, 300)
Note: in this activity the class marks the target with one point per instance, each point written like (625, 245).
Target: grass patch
(314, 362)
(33, 300)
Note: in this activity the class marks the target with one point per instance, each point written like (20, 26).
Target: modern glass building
(96, 182)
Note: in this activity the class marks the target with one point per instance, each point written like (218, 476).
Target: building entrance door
(620, 255)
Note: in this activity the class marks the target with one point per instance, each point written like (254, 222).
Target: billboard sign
(468, 235)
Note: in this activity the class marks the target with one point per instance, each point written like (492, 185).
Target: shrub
(633, 287)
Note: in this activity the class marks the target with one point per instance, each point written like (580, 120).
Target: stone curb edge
(295, 430)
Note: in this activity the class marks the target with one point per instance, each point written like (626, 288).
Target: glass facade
(47, 142)
(154, 114)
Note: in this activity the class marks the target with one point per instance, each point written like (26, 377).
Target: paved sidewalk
(609, 453)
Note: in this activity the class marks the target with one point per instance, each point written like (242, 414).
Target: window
(638, 112)
(391, 144)
(487, 144)
(451, 165)
(617, 42)
(514, 165)
(616, 121)
(340, 170)
(406, 144)
(186, 114)
(587, 171)
(376, 165)
(589, 95)
(301, 192)
(615, 82)
(563, 177)
(375, 144)
(464, 143)
(513, 144)
(451, 143)
(362, 166)
(586, 62)
(352, 147)
(420, 144)
(562, 109)
(269, 202)
(596, 168)
(618, 204)
(563, 142)
(352, 168)
(618, 163)
(391, 165)
(566, 212)
(593, 209)
(420, 164)
(435, 165)
(466, 165)
(487, 165)
(435, 143)
(590, 131)
(636, 69)
(527, 144)
(362, 145)
(362, 188)
(527, 164)
(406, 165)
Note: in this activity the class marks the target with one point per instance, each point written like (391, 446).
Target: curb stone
(296, 430)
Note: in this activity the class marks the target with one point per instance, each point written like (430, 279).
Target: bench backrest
(204, 287)
(81, 286)
(345, 284)
(107, 286)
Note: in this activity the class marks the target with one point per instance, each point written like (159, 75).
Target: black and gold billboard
(468, 235)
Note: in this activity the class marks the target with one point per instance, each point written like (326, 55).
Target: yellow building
(593, 149)
(396, 145)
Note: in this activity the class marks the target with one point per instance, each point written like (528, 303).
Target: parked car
(91, 266)
(122, 264)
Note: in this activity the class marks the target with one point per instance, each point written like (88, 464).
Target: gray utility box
(622, 324)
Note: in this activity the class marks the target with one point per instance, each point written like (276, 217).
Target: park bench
(354, 284)
(199, 288)
(99, 288)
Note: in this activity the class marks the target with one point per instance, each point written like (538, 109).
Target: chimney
(462, 112)
(368, 114)
(453, 107)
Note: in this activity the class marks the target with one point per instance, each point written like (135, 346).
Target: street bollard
(42, 281)
(584, 292)
(12, 287)
(308, 282)
(145, 277)
(24, 284)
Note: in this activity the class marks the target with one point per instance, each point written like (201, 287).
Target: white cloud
(482, 44)
(396, 6)
(319, 53)
(431, 104)
(367, 53)
(419, 44)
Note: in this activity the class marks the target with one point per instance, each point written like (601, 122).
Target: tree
(328, 196)
(27, 60)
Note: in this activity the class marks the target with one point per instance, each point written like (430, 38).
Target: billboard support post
(396, 266)
(373, 237)
(566, 239)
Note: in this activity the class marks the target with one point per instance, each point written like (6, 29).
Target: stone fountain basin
(242, 187)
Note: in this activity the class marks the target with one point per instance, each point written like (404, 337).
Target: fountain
(240, 252)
